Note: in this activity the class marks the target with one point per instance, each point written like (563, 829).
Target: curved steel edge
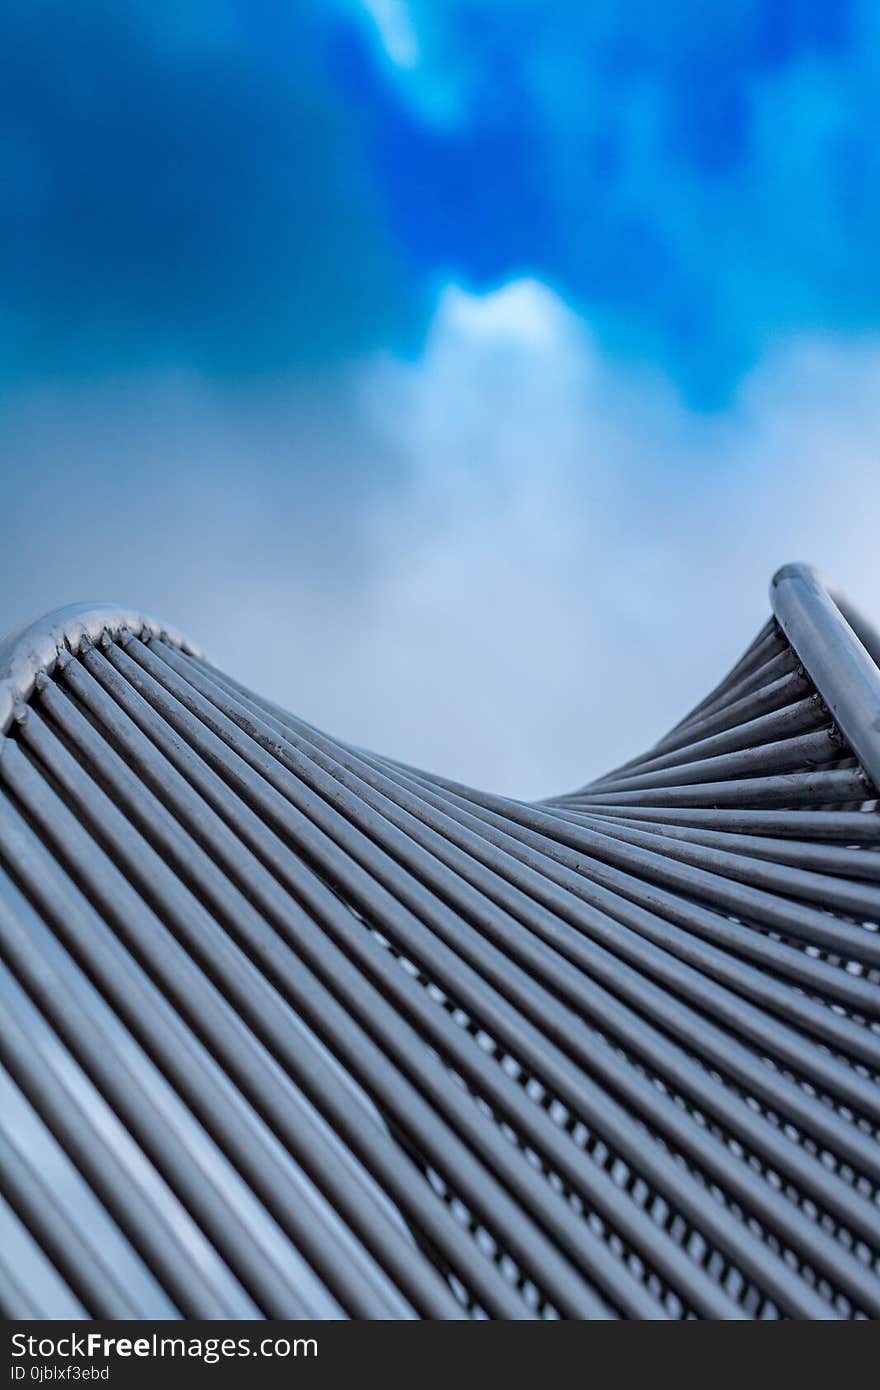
(839, 650)
(36, 647)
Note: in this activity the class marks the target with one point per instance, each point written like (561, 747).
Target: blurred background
(455, 372)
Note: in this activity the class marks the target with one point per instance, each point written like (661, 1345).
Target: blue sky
(492, 352)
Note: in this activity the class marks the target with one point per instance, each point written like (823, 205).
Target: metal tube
(845, 674)
(359, 1040)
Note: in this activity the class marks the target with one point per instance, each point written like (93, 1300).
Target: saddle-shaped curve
(288, 1029)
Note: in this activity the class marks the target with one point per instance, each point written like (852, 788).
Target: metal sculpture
(291, 1030)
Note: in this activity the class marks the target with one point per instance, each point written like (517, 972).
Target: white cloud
(577, 556)
(514, 560)
(395, 31)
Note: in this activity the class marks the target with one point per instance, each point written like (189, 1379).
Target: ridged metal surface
(291, 1030)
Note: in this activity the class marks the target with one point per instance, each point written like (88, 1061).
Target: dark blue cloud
(250, 185)
(695, 179)
(181, 185)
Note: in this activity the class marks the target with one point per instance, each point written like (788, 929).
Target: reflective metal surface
(289, 1029)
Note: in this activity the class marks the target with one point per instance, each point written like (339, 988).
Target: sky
(455, 372)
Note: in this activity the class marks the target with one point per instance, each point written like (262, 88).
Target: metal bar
(30, 1285)
(619, 1019)
(130, 1187)
(253, 1247)
(181, 664)
(85, 1244)
(361, 1041)
(247, 1060)
(801, 717)
(845, 674)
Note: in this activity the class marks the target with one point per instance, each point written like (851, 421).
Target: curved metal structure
(291, 1030)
